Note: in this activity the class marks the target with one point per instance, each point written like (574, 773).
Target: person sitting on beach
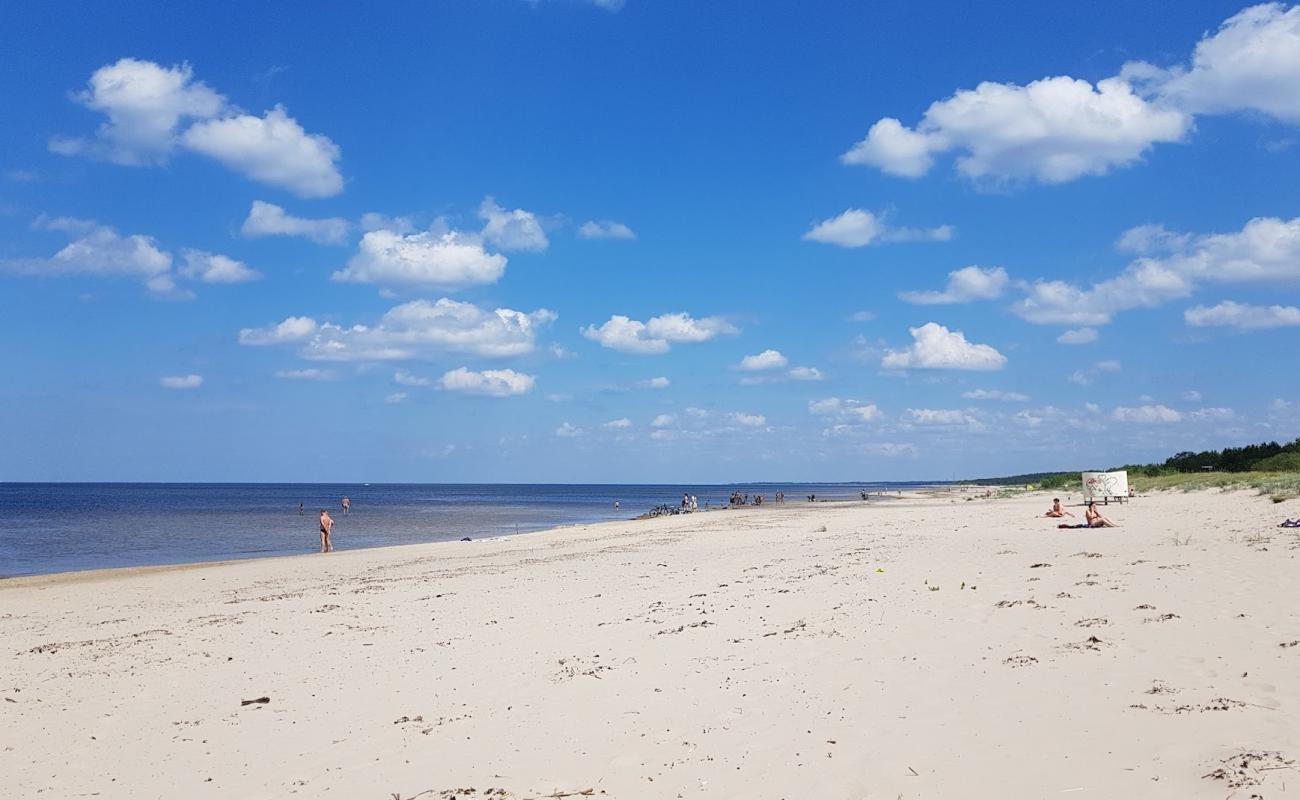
(1095, 518)
(1056, 510)
(326, 525)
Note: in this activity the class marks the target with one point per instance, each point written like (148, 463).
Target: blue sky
(570, 241)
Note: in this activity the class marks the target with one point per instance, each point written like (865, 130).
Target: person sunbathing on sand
(1056, 510)
(1095, 518)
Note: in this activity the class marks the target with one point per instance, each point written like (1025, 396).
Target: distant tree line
(1264, 457)
(1236, 459)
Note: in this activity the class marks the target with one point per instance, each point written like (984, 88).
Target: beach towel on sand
(1076, 525)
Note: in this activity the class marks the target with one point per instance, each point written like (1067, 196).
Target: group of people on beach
(1091, 516)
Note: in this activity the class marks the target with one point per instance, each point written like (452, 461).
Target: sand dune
(924, 647)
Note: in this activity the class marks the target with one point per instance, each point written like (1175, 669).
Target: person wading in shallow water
(326, 525)
(346, 503)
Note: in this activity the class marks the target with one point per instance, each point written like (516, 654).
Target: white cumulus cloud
(657, 334)
(846, 410)
(181, 381)
(100, 251)
(568, 431)
(654, 383)
(1061, 128)
(964, 285)
(96, 250)
(938, 416)
(152, 110)
(1241, 316)
(829, 405)
(936, 347)
(144, 103)
(216, 268)
(404, 378)
(1251, 63)
(806, 374)
(1146, 414)
(857, 227)
(995, 394)
(491, 382)
(618, 424)
(448, 260)
(292, 329)
(892, 449)
(272, 149)
(768, 359)
(416, 329)
(1052, 130)
(508, 229)
(604, 229)
(1078, 336)
(1266, 249)
(268, 219)
(310, 374)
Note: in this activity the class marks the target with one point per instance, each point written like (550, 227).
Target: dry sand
(784, 652)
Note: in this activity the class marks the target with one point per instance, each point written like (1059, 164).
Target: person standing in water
(326, 525)
(346, 503)
(301, 510)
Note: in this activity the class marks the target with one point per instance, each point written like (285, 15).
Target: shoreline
(105, 573)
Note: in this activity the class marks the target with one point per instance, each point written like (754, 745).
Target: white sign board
(1100, 485)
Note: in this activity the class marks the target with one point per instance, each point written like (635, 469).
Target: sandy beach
(925, 647)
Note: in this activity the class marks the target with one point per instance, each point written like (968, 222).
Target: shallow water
(56, 527)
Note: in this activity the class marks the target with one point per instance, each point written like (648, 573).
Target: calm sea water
(56, 527)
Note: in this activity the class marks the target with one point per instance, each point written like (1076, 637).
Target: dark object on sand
(467, 539)
(664, 510)
(257, 700)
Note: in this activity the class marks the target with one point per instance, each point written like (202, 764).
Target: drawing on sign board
(1105, 484)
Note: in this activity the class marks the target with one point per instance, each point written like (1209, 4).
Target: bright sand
(782, 652)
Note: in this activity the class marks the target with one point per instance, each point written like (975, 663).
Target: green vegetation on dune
(1271, 468)
(1277, 485)
(1282, 462)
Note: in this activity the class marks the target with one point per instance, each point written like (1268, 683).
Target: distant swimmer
(616, 505)
(301, 510)
(326, 525)
(346, 503)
